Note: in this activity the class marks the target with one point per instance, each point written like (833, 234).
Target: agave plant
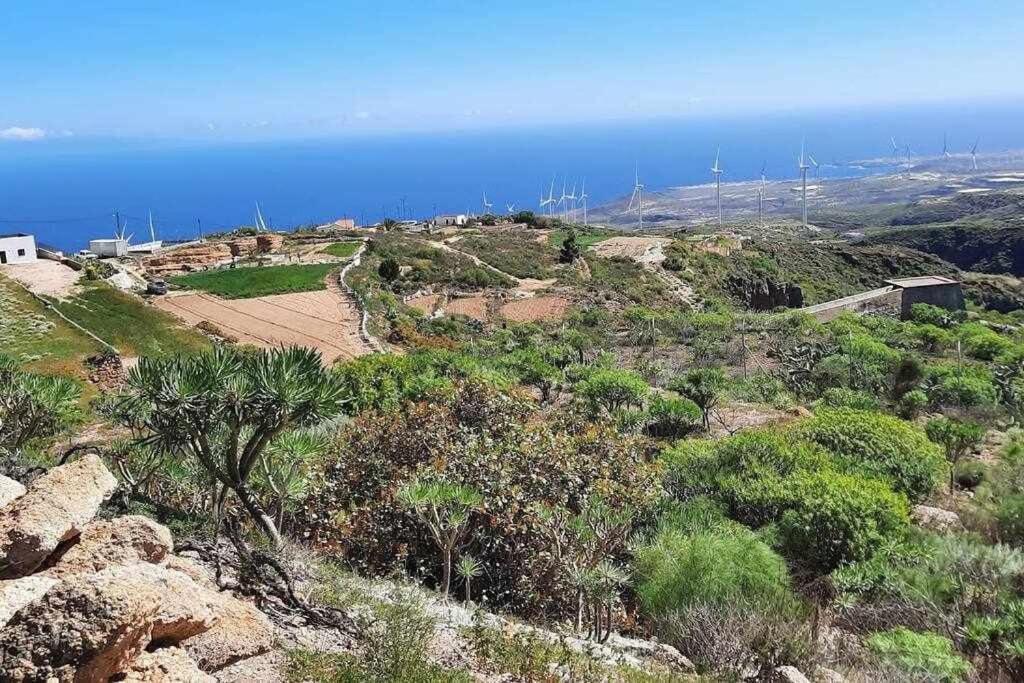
(445, 509)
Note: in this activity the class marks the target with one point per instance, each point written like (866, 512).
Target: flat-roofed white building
(109, 248)
(451, 219)
(17, 248)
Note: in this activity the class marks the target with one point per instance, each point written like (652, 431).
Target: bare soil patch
(647, 250)
(425, 304)
(471, 306)
(535, 309)
(45, 277)
(321, 320)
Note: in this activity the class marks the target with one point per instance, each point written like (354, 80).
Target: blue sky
(195, 69)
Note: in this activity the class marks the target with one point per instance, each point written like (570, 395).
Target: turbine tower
(487, 205)
(583, 201)
(718, 185)
(637, 198)
(895, 148)
(974, 154)
(550, 201)
(261, 225)
(802, 165)
(562, 201)
(760, 199)
(572, 198)
(945, 147)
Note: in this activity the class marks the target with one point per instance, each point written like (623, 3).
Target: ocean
(66, 191)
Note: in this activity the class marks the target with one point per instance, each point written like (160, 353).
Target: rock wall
(192, 257)
(83, 599)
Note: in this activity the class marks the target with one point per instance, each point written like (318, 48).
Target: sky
(263, 70)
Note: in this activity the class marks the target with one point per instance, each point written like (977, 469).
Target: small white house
(450, 220)
(17, 248)
(109, 248)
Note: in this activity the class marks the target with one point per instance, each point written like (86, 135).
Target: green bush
(836, 518)
(972, 389)
(727, 565)
(879, 445)
(969, 474)
(612, 389)
(982, 342)
(927, 655)
(672, 418)
(839, 397)
(1009, 515)
(926, 314)
(912, 403)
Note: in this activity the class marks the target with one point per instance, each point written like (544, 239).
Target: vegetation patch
(517, 253)
(249, 282)
(342, 249)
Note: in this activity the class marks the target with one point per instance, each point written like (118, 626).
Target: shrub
(879, 445)
(970, 390)
(835, 518)
(671, 418)
(1009, 515)
(612, 389)
(912, 403)
(704, 387)
(982, 342)
(957, 439)
(926, 314)
(969, 474)
(725, 566)
(34, 406)
(389, 269)
(838, 397)
(920, 654)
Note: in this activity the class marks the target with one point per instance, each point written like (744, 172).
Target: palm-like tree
(468, 568)
(34, 406)
(224, 408)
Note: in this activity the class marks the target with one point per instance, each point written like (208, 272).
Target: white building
(17, 248)
(109, 248)
(451, 220)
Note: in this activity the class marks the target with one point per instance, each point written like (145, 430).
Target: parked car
(156, 287)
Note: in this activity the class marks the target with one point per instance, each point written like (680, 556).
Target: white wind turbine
(816, 165)
(895, 148)
(802, 165)
(511, 208)
(945, 147)
(487, 205)
(974, 154)
(562, 201)
(572, 198)
(583, 201)
(637, 198)
(550, 201)
(717, 171)
(261, 225)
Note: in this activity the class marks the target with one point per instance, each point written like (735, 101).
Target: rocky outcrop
(765, 294)
(936, 519)
(116, 542)
(53, 510)
(9, 490)
(108, 599)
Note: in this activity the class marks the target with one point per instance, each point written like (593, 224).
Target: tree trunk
(446, 572)
(262, 519)
(468, 594)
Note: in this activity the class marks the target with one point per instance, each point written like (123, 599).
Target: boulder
(191, 569)
(241, 631)
(112, 543)
(53, 510)
(823, 675)
(17, 593)
(935, 519)
(9, 490)
(166, 665)
(93, 626)
(788, 674)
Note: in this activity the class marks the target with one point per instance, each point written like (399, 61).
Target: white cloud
(18, 133)
(362, 115)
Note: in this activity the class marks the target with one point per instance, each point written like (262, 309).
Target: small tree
(224, 408)
(469, 568)
(612, 389)
(445, 509)
(957, 438)
(704, 387)
(389, 269)
(570, 249)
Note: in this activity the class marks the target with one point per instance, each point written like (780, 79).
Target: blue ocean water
(66, 191)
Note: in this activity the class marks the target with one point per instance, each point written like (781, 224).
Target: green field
(126, 322)
(31, 333)
(245, 283)
(342, 249)
(583, 238)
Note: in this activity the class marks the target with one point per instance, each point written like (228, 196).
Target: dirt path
(649, 252)
(524, 286)
(44, 277)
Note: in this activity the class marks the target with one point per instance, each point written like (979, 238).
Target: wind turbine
(487, 206)
(511, 208)
(945, 147)
(895, 148)
(152, 231)
(572, 198)
(814, 163)
(550, 201)
(802, 165)
(261, 225)
(562, 201)
(718, 185)
(760, 199)
(583, 201)
(638, 197)
(974, 154)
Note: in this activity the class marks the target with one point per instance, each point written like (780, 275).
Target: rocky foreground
(85, 599)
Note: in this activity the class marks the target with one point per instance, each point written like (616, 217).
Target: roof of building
(922, 281)
(14, 234)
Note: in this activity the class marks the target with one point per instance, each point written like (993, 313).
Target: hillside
(981, 247)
